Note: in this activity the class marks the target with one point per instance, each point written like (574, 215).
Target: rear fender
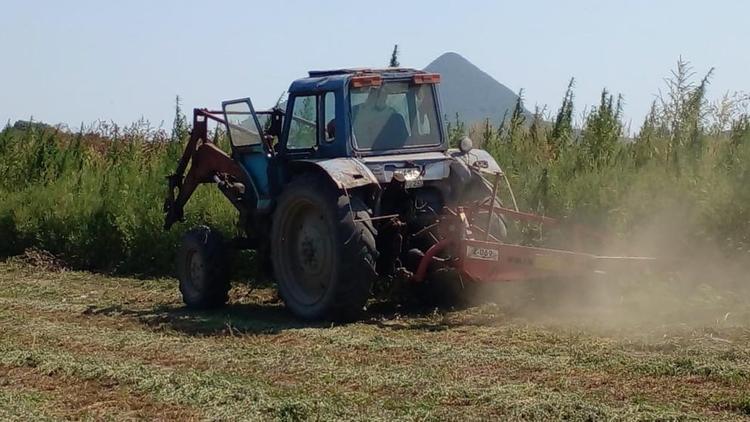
(345, 173)
(476, 158)
(466, 183)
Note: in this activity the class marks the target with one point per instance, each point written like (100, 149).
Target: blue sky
(78, 61)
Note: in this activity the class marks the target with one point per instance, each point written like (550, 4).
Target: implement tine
(493, 199)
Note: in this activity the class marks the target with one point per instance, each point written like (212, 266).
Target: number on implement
(486, 254)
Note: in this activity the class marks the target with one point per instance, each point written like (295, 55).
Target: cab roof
(325, 80)
(389, 71)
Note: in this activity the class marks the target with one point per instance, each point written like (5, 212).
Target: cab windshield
(394, 115)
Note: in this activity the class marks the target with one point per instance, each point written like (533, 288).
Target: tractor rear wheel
(202, 269)
(323, 259)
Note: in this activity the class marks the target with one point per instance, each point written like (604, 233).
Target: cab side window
(329, 116)
(303, 129)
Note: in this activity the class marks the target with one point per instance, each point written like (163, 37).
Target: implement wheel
(498, 228)
(446, 289)
(202, 269)
(324, 261)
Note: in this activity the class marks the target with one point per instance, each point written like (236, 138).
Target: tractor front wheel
(323, 250)
(202, 269)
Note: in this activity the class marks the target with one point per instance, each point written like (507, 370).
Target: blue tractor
(352, 183)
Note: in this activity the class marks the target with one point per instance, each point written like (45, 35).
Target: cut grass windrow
(84, 346)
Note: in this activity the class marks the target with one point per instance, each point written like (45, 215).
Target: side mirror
(465, 145)
(274, 128)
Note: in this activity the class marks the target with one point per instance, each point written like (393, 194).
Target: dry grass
(76, 345)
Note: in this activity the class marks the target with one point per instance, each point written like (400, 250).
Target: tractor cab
(350, 112)
(358, 126)
(355, 122)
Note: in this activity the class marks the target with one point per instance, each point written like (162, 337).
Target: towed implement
(351, 184)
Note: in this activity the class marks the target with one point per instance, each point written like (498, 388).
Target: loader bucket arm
(208, 164)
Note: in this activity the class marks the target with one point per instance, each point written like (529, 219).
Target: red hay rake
(484, 258)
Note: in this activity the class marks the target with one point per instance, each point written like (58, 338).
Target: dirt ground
(76, 345)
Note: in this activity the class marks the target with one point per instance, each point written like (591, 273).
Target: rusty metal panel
(493, 262)
(347, 173)
(497, 262)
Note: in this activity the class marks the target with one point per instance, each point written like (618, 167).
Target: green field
(76, 345)
(93, 196)
(117, 343)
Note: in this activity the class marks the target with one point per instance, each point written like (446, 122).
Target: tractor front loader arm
(206, 162)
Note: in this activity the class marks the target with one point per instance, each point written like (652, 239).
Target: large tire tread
(354, 247)
(211, 247)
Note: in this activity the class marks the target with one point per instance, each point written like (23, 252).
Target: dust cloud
(691, 283)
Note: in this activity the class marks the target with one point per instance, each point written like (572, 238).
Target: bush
(94, 198)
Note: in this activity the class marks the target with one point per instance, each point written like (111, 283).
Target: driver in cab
(378, 125)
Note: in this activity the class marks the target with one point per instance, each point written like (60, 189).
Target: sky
(78, 61)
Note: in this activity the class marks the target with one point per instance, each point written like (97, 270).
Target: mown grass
(78, 345)
(22, 405)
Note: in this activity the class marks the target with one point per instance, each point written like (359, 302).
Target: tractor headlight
(405, 175)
